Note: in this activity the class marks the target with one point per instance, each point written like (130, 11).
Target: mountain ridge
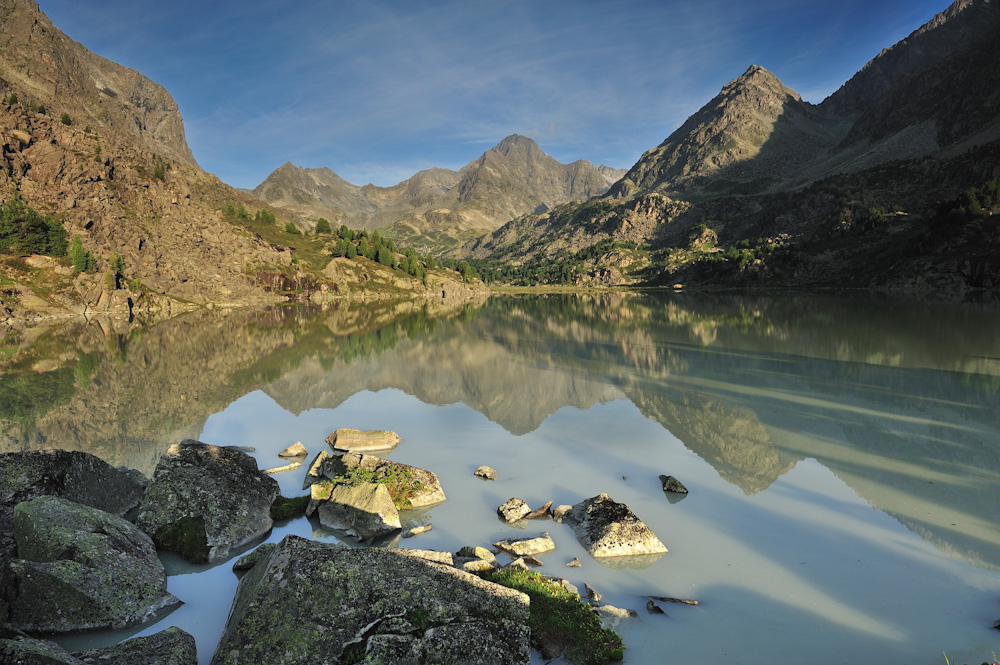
(513, 177)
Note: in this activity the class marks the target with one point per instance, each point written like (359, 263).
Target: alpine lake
(842, 454)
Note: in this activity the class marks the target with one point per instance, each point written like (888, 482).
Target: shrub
(291, 228)
(323, 226)
(65, 119)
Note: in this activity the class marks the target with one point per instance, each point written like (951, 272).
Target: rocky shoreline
(79, 542)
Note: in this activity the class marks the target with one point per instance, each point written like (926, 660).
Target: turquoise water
(843, 456)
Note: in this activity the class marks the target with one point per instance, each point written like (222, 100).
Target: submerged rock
(364, 510)
(355, 440)
(206, 501)
(610, 529)
(312, 602)
(172, 646)
(80, 568)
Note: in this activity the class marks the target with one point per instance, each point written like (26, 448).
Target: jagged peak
(759, 78)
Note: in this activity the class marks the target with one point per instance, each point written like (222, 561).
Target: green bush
(82, 259)
(65, 119)
(291, 228)
(323, 226)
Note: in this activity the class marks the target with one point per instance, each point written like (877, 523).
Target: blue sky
(379, 90)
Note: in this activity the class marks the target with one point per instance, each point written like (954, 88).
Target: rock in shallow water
(81, 568)
(206, 501)
(311, 602)
(364, 510)
(607, 528)
(354, 440)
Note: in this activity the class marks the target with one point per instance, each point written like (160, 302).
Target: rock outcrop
(206, 501)
(172, 646)
(610, 529)
(312, 602)
(414, 487)
(78, 567)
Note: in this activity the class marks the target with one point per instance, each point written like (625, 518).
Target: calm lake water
(842, 456)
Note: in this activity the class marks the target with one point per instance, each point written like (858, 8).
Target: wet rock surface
(79, 568)
(206, 501)
(312, 602)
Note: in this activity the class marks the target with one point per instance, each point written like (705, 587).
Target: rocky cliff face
(512, 178)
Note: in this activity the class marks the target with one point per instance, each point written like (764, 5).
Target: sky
(377, 91)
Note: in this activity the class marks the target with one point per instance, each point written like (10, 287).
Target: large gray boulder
(19, 649)
(206, 501)
(77, 476)
(78, 568)
(418, 487)
(312, 602)
(610, 529)
(365, 511)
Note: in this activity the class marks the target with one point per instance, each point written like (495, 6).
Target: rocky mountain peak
(515, 143)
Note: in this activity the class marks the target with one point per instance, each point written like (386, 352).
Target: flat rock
(513, 509)
(311, 602)
(294, 450)
(486, 472)
(606, 528)
(526, 546)
(477, 553)
(417, 530)
(430, 555)
(355, 440)
(206, 501)
(80, 568)
(539, 513)
(364, 511)
(172, 646)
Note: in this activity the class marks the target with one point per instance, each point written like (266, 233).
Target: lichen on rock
(607, 528)
(310, 602)
(200, 490)
(78, 567)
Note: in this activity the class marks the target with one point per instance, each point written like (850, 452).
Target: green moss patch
(560, 623)
(398, 480)
(187, 537)
(283, 508)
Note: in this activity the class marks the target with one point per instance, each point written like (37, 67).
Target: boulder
(539, 513)
(250, 559)
(486, 472)
(355, 440)
(294, 450)
(606, 528)
(76, 476)
(80, 568)
(411, 486)
(172, 646)
(477, 552)
(364, 510)
(513, 509)
(430, 555)
(206, 501)
(526, 546)
(671, 484)
(312, 602)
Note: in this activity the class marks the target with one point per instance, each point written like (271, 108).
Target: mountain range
(887, 185)
(437, 206)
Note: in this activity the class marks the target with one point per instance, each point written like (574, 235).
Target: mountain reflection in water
(899, 402)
